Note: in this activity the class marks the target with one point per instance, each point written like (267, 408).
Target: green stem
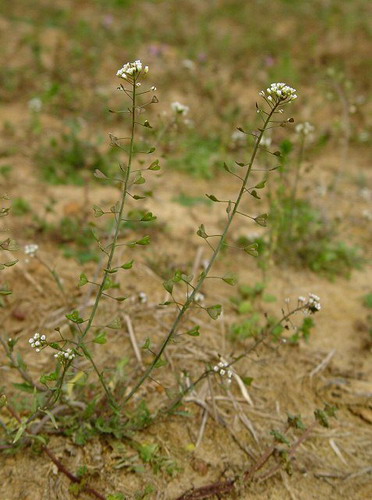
(190, 299)
(118, 222)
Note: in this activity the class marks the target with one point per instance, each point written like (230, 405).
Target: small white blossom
(279, 93)
(180, 109)
(153, 88)
(222, 368)
(130, 70)
(313, 303)
(37, 341)
(142, 297)
(35, 104)
(304, 128)
(65, 356)
(31, 249)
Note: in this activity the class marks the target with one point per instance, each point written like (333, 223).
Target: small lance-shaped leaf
(98, 212)
(214, 311)
(6, 292)
(201, 232)
(101, 338)
(278, 436)
(115, 324)
(127, 265)
(151, 150)
(75, 317)
(194, 332)
(261, 220)
(160, 362)
(212, 197)
(154, 165)
(19, 433)
(252, 249)
(230, 279)
(83, 279)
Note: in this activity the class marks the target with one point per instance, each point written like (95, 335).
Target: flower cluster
(31, 249)
(312, 304)
(65, 356)
(279, 93)
(304, 128)
(129, 70)
(222, 369)
(180, 109)
(38, 341)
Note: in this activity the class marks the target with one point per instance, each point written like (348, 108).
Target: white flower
(153, 88)
(37, 341)
(304, 128)
(35, 104)
(130, 70)
(31, 249)
(222, 368)
(279, 93)
(65, 356)
(179, 108)
(313, 303)
(142, 297)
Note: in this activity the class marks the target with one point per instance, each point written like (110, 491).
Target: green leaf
(261, 185)
(140, 180)
(19, 433)
(5, 292)
(252, 249)
(143, 241)
(160, 362)
(254, 194)
(75, 317)
(101, 338)
(214, 311)
(147, 344)
(168, 285)
(115, 324)
(278, 436)
(83, 279)
(128, 265)
(98, 212)
(201, 232)
(154, 165)
(212, 197)
(24, 387)
(230, 279)
(51, 377)
(148, 217)
(137, 197)
(151, 150)
(261, 220)
(194, 332)
(247, 380)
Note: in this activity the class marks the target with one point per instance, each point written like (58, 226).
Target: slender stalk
(190, 299)
(118, 220)
(295, 186)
